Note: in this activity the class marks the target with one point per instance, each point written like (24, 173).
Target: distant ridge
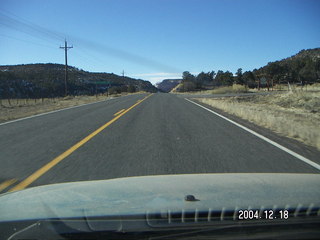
(167, 85)
(47, 79)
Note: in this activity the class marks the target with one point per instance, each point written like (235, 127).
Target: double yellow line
(7, 183)
(117, 113)
(62, 156)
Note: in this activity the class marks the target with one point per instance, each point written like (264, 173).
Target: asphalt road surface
(134, 135)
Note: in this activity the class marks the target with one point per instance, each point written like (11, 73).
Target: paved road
(163, 134)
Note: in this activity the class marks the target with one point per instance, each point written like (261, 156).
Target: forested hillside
(302, 68)
(47, 80)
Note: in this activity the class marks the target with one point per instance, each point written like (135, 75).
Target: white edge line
(58, 110)
(302, 158)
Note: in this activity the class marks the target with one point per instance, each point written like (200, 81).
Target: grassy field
(294, 114)
(235, 88)
(290, 87)
(19, 108)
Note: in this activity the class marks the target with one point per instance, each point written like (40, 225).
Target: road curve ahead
(136, 135)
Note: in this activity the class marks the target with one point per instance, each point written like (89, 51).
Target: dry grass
(19, 108)
(235, 88)
(204, 92)
(291, 87)
(293, 114)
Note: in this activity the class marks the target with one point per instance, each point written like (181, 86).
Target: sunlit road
(140, 135)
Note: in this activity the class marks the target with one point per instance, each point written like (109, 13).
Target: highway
(136, 135)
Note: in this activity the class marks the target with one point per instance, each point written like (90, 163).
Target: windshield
(103, 90)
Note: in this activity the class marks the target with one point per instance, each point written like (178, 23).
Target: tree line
(302, 68)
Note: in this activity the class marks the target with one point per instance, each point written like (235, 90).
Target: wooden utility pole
(66, 48)
(123, 78)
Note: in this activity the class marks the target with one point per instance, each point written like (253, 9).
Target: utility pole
(123, 76)
(66, 48)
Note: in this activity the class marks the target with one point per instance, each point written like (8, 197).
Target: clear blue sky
(152, 39)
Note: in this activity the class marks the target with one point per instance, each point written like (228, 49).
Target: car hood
(140, 195)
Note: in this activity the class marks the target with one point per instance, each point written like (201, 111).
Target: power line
(12, 21)
(66, 48)
(93, 58)
(17, 23)
(25, 41)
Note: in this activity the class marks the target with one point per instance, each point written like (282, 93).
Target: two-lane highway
(134, 135)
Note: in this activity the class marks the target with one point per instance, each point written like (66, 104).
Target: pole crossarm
(66, 48)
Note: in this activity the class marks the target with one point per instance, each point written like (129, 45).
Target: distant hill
(167, 85)
(47, 80)
(302, 67)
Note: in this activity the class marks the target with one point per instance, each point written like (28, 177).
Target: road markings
(7, 183)
(62, 156)
(296, 155)
(117, 113)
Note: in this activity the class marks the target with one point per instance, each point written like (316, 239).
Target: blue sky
(157, 39)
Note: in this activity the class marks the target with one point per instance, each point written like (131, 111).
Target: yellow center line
(58, 159)
(117, 113)
(7, 183)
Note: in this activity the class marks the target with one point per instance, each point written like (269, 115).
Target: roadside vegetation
(302, 68)
(294, 114)
(235, 88)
